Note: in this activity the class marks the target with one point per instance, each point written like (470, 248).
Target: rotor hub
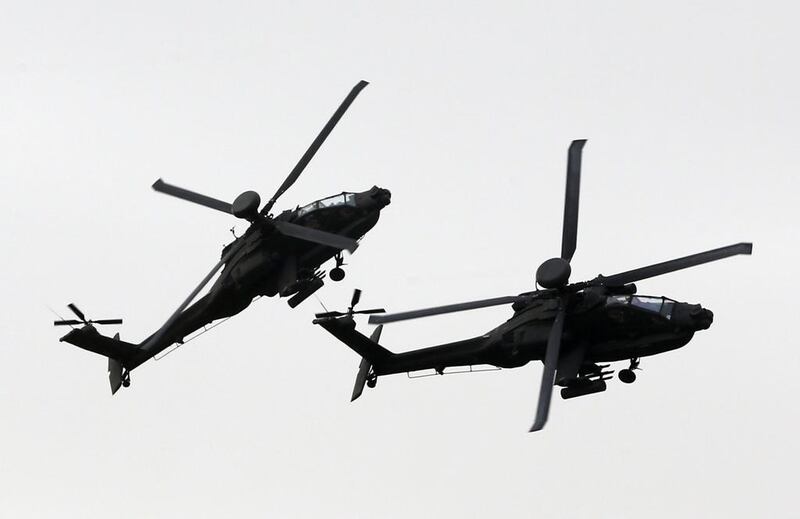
(553, 273)
(246, 205)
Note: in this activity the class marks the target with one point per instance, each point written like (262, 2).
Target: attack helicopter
(574, 328)
(277, 255)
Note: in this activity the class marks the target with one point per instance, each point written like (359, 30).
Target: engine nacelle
(624, 290)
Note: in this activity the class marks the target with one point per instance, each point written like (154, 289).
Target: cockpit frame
(342, 199)
(656, 304)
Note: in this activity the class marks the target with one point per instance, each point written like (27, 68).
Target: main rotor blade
(190, 196)
(569, 234)
(324, 315)
(336, 313)
(77, 312)
(550, 364)
(312, 150)
(156, 337)
(677, 264)
(316, 236)
(107, 321)
(446, 309)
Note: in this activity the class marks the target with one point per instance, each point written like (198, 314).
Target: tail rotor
(351, 311)
(82, 319)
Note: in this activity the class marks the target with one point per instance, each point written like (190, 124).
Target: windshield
(331, 201)
(659, 305)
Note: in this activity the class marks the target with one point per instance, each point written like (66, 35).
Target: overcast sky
(691, 112)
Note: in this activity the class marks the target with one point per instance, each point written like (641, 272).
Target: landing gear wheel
(371, 381)
(126, 379)
(336, 274)
(627, 376)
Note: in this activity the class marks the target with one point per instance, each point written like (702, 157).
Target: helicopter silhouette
(277, 255)
(572, 327)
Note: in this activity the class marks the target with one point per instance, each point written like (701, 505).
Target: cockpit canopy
(331, 201)
(658, 305)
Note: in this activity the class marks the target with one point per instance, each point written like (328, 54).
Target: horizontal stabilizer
(90, 339)
(344, 329)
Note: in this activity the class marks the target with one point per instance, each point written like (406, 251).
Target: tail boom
(384, 362)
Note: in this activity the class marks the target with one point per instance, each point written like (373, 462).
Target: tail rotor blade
(371, 311)
(107, 321)
(65, 322)
(77, 312)
(354, 300)
(356, 297)
(82, 317)
(312, 150)
(677, 264)
(325, 315)
(550, 364)
(191, 196)
(569, 236)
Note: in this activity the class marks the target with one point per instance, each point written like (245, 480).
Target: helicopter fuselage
(267, 263)
(602, 327)
(277, 255)
(572, 327)
(262, 262)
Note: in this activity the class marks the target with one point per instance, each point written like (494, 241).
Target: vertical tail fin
(365, 367)
(115, 372)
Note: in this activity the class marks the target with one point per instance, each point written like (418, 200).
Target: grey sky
(691, 112)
